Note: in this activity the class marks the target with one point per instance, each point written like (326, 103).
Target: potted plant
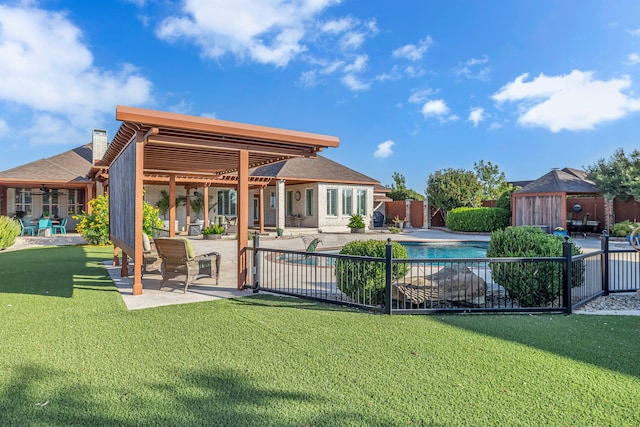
(279, 232)
(163, 208)
(213, 232)
(356, 223)
(45, 214)
(198, 206)
(399, 223)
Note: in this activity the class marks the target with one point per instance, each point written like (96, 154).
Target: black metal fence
(413, 286)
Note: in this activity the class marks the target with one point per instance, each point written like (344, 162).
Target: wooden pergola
(155, 146)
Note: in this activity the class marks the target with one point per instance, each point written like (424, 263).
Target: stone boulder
(454, 283)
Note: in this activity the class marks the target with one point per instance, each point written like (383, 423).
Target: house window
(361, 200)
(227, 202)
(272, 200)
(23, 201)
(308, 200)
(332, 202)
(75, 202)
(289, 202)
(347, 202)
(50, 203)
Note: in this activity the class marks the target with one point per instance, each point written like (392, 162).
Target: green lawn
(67, 340)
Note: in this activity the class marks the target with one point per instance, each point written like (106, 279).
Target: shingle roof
(560, 181)
(319, 169)
(70, 166)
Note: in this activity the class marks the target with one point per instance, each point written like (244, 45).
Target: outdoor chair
(62, 227)
(44, 225)
(231, 225)
(180, 264)
(581, 227)
(26, 227)
(151, 260)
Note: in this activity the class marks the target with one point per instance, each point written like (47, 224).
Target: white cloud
(352, 40)
(633, 58)
(4, 128)
(209, 115)
(354, 83)
(438, 108)
(634, 32)
(338, 26)
(476, 116)
(471, 70)
(384, 149)
(418, 96)
(573, 101)
(412, 71)
(48, 71)
(359, 64)
(267, 32)
(308, 79)
(413, 52)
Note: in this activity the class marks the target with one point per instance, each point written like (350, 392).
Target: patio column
(280, 204)
(243, 216)
(205, 195)
(261, 208)
(89, 193)
(172, 205)
(188, 208)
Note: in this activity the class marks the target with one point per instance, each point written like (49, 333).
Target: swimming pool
(428, 250)
(415, 250)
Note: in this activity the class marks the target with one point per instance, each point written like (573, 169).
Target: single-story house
(305, 192)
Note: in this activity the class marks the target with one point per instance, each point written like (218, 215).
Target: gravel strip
(619, 303)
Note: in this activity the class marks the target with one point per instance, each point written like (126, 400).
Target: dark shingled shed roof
(70, 166)
(570, 181)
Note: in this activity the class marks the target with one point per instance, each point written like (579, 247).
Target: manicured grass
(67, 339)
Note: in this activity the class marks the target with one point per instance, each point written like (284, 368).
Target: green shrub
(9, 230)
(214, 229)
(366, 277)
(478, 219)
(94, 227)
(356, 221)
(532, 284)
(621, 229)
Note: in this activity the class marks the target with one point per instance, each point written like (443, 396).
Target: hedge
(478, 219)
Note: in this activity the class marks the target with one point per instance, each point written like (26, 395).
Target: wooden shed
(543, 202)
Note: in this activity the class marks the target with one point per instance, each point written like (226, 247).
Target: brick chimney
(99, 140)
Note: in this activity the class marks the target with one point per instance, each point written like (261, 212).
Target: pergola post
(243, 216)
(172, 205)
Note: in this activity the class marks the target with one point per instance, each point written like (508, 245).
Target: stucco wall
(340, 221)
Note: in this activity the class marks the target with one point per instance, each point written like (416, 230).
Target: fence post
(604, 267)
(568, 279)
(388, 266)
(256, 262)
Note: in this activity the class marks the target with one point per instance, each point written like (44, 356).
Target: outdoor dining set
(44, 226)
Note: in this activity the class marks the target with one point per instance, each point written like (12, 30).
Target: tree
(453, 188)
(493, 181)
(619, 176)
(399, 190)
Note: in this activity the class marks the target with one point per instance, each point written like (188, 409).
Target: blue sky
(411, 86)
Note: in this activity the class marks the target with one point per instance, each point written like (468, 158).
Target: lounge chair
(180, 264)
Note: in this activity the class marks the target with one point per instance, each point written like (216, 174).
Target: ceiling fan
(46, 190)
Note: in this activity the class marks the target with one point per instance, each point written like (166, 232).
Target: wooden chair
(180, 264)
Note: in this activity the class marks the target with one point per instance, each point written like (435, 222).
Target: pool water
(415, 250)
(428, 250)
